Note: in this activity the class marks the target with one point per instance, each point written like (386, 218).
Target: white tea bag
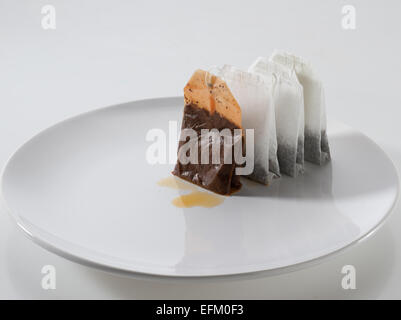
(289, 110)
(254, 95)
(316, 146)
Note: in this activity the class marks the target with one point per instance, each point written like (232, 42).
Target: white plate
(84, 190)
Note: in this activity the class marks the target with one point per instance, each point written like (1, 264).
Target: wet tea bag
(289, 110)
(316, 146)
(254, 95)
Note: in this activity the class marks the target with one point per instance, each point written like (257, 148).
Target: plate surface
(84, 190)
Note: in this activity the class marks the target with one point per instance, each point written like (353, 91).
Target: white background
(107, 52)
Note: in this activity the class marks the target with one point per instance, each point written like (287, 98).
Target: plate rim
(41, 241)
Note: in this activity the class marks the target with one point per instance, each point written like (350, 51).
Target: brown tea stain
(195, 198)
(198, 199)
(176, 183)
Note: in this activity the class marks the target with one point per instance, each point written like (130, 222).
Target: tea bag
(316, 146)
(289, 110)
(254, 95)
